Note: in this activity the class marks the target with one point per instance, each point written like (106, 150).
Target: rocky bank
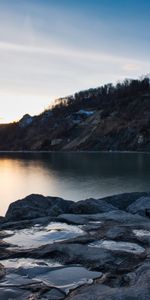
(95, 249)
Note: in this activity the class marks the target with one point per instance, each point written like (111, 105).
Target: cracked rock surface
(51, 248)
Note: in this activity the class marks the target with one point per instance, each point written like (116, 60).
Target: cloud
(49, 50)
(131, 67)
(71, 52)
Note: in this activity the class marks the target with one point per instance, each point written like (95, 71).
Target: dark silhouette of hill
(105, 118)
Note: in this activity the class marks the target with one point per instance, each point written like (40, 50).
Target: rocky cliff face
(108, 118)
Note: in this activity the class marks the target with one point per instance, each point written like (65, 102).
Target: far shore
(75, 152)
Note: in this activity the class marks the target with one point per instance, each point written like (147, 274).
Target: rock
(15, 280)
(106, 250)
(2, 219)
(75, 253)
(103, 292)
(2, 271)
(37, 236)
(118, 246)
(116, 232)
(67, 278)
(91, 206)
(120, 216)
(36, 206)
(53, 294)
(142, 235)
(14, 293)
(122, 201)
(74, 218)
(141, 206)
(135, 286)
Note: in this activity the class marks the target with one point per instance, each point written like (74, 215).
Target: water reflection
(72, 176)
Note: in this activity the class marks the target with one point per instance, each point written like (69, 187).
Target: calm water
(73, 176)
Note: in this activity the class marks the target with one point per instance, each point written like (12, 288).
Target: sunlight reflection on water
(72, 176)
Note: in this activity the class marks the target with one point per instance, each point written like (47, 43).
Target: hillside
(105, 118)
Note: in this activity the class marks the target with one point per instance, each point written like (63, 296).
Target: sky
(54, 48)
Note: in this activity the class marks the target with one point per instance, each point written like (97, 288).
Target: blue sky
(53, 48)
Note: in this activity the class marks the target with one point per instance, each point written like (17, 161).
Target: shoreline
(107, 198)
(75, 152)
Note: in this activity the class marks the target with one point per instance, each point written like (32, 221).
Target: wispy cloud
(129, 63)
(54, 48)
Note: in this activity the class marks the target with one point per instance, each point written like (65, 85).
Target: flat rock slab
(137, 288)
(13, 279)
(118, 246)
(94, 249)
(7, 293)
(37, 236)
(29, 263)
(75, 253)
(68, 278)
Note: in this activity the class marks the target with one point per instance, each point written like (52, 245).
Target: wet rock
(75, 253)
(122, 201)
(25, 264)
(20, 224)
(37, 236)
(135, 286)
(118, 246)
(114, 215)
(53, 294)
(91, 206)
(15, 280)
(2, 271)
(14, 293)
(92, 249)
(67, 278)
(141, 206)
(74, 218)
(121, 217)
(36, 206)
(141, 276)
(103, 292)
(2, 219)
(116, 232)
(142, 235)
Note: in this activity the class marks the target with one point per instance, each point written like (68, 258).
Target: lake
(73, 176)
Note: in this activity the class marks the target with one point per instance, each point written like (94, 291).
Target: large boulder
(122, 201)
(141, 206)
(36, 206)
